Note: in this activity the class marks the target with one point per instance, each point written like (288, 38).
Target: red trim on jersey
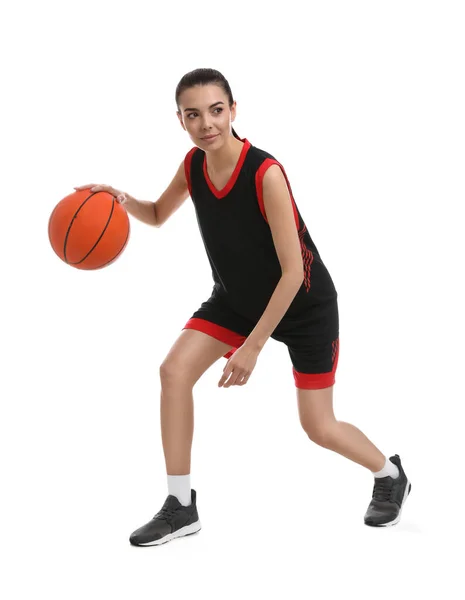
(316, 381)
(235, 174)
(259, 187)
(187, 167)
(307, 254)
(220, 333)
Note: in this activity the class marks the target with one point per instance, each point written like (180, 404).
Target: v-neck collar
(235, 174)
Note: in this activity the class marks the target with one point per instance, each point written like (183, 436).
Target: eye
(194, 113)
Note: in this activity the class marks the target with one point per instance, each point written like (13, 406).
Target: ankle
(180, 487)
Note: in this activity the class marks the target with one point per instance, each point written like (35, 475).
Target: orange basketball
(88, 230)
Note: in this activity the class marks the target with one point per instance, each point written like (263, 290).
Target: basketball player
(269, 281)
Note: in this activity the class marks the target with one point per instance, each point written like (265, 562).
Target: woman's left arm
(280, 216)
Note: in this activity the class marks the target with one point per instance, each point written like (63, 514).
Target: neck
(226, 156)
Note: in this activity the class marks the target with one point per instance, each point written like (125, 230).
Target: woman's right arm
(152, 213)
(172, 198)
(157, 213)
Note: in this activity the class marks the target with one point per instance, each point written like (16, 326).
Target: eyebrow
(211, 106)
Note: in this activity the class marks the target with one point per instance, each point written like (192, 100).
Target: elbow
(155, 218)
(296, 276)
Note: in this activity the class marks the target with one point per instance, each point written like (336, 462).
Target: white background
(363, 104)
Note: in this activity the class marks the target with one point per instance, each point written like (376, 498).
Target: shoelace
(165, 513)
(382, 489)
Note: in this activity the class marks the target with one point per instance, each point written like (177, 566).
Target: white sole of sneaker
(397, 519)
(187, 530)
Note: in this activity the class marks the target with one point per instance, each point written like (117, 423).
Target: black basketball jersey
(238, 239)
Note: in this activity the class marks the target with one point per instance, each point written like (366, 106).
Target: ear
(233, 111)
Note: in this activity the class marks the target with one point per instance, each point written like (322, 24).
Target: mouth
(210, 137)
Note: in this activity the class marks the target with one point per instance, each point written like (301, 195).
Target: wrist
(253, 344)
(129, 200)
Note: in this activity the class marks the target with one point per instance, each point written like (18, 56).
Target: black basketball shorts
(312, 338)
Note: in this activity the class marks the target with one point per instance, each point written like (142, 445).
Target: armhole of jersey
(187, 168)
(259, 187)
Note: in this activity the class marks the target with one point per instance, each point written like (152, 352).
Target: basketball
(88, 230)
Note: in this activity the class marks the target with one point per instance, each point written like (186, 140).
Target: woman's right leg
(191, 355)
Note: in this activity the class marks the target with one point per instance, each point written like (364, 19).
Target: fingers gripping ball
(89, 230)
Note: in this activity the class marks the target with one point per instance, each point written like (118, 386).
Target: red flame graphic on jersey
(307, 256)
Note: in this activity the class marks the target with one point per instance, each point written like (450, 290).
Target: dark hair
(205, 77)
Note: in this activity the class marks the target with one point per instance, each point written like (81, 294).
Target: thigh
(191, 355)
(316, 414)
(314, 367)
(216, 318)
(313, 345)
(212, 332)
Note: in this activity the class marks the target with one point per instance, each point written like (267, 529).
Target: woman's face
(199, 118)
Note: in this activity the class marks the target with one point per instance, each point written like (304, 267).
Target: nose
(206, 125)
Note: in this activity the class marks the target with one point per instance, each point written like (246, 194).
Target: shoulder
(260, 154)
(273, 174)
(186, 166)
(270, 173)
(191, 160)
(191, 153)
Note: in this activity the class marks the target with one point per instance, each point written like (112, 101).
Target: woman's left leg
(319, 423)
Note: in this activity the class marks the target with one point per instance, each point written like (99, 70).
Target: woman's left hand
(240, 366)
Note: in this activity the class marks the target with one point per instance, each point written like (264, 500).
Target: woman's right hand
(121, 197)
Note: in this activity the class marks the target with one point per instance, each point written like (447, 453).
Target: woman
(269, 281)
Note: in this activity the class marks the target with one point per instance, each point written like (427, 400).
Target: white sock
(389, 469)
(180, 486)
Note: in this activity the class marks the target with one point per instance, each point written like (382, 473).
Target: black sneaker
(389, 496)
(173, 520)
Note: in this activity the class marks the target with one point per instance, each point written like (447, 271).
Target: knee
(171, 373)
(168, 371)
(322, 434)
